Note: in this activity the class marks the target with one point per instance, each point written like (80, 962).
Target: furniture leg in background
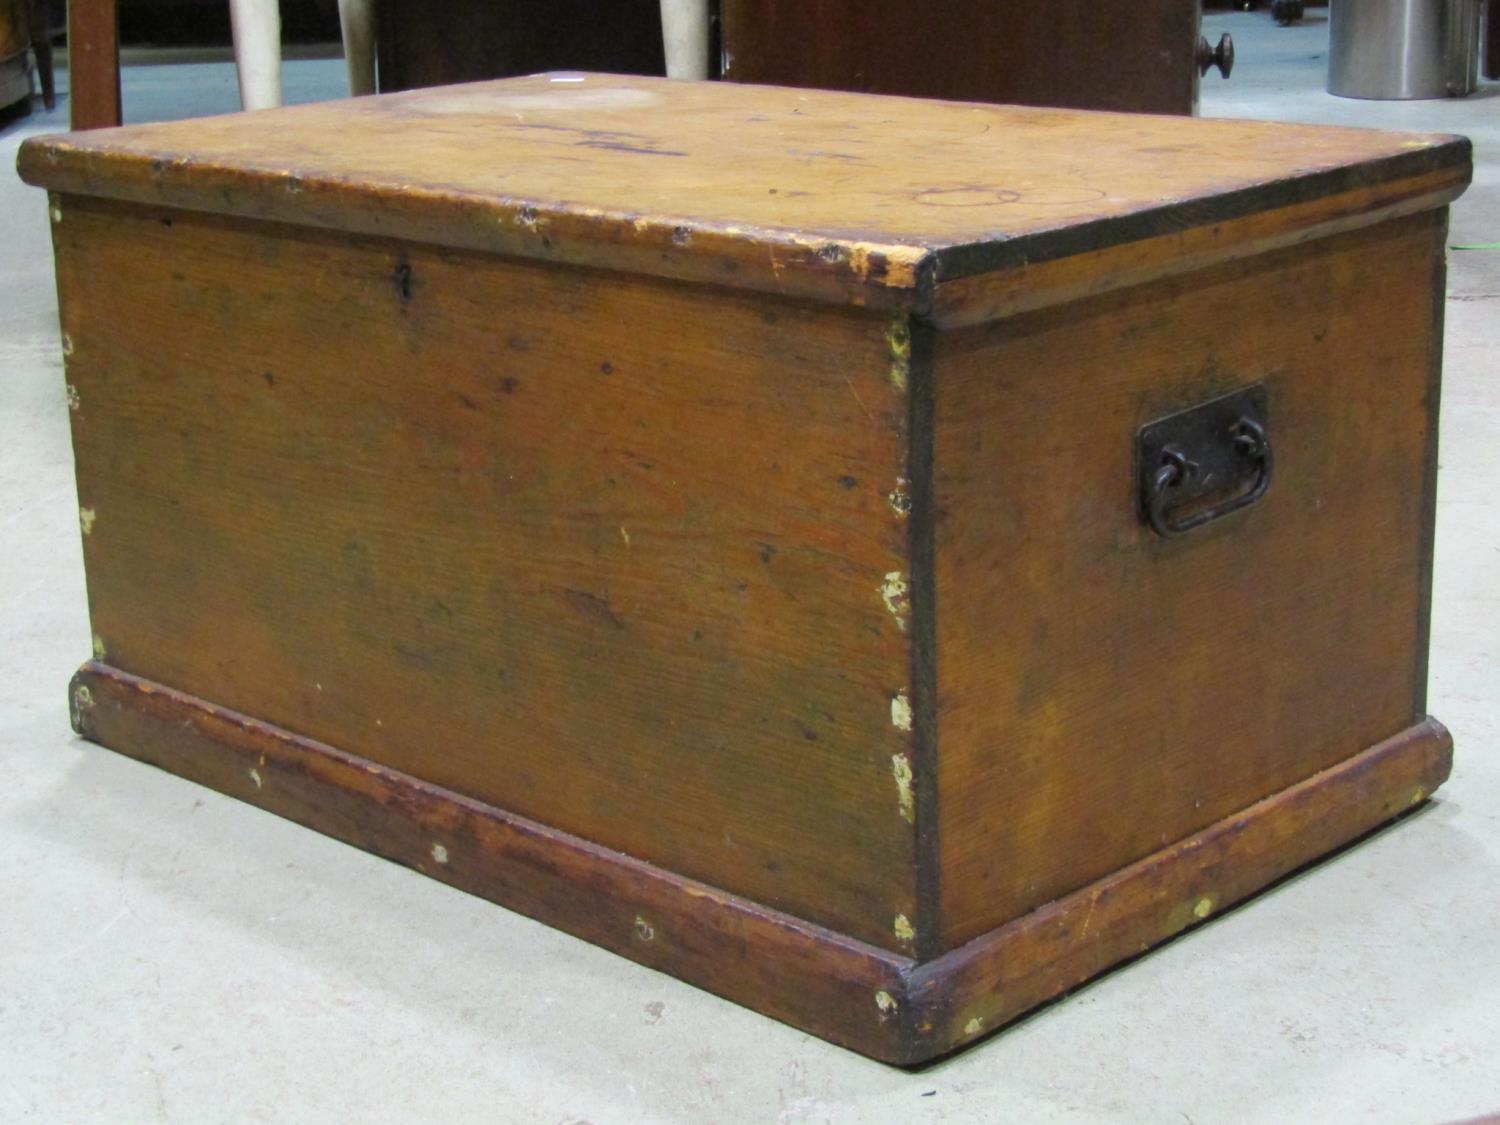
(1492, 39)
(256, 25)
(94, 55)
(684, 33)
(357, 25)
(93, 63)
(41, 43)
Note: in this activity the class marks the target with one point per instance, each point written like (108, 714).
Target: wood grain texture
(840, 197)
(609, 553)
(1103, 691)
(1129, 57)
(869, 1000)
(815, 979)
(93, 64)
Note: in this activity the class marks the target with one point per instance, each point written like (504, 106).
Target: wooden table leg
(94, 63)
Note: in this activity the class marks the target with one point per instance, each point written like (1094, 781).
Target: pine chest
(882, 561)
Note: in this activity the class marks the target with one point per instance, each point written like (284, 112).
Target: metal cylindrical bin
(1403, 48)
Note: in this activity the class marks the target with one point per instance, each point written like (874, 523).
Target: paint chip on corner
(1203, 907)
(886, 1003)
(440, 853)
(86, 518)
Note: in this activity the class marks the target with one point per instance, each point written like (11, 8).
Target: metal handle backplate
(1201, 464)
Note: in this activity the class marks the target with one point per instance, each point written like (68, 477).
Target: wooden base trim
(1010, 970)
(851, 993)
(794, 971)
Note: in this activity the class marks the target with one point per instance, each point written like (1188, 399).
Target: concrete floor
(172, 955)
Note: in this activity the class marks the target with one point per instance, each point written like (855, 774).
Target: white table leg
(357, 22)
(684, 33)
(256, 25)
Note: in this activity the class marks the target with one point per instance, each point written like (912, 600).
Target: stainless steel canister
(1403, 48)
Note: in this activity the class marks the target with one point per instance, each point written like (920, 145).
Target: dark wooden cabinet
(438, 42)
(1139, 56)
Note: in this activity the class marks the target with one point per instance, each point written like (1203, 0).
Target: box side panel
(1105, 691)
(614, 555)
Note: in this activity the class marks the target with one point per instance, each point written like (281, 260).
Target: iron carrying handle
(1249, 442)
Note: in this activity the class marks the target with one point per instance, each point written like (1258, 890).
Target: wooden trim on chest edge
(853, 994)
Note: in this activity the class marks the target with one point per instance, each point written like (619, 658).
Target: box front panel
(1106, 690)
(609, 554)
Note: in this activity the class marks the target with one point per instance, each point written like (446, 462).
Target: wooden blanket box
(882, 561)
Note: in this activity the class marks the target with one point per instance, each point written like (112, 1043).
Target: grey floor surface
(167, 954)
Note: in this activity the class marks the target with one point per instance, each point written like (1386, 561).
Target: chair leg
(41, 43)
(93, 64)
(256, 26)
(684, 33)
(357, 24)
(1492, 40)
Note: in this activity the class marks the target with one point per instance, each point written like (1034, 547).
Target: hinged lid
(891, 202)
